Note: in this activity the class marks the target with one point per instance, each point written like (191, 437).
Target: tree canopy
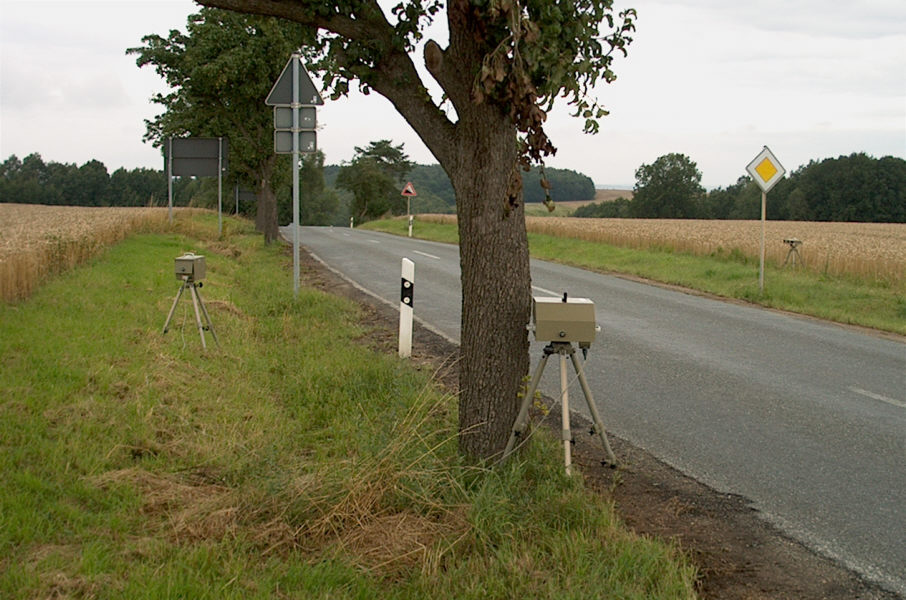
(848, 188)
(318, 204)
(857, 188)
(669, 188)
(220, 72)
(375, 177)
(502, 68)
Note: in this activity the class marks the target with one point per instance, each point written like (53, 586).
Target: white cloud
(712, 79)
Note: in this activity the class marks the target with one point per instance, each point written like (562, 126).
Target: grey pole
(764, 201)
(296, 57)
(170, 179)
(220, 186)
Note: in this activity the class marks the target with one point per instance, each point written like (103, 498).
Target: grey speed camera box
(564, 320)
(190, 266)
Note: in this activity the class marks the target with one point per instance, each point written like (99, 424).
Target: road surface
(805, 419)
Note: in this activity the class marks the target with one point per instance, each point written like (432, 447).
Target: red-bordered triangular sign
(409, 190)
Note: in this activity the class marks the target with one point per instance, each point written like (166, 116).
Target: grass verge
(843, 299)
(291, 461)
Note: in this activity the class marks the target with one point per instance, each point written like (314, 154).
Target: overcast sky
(713, 79)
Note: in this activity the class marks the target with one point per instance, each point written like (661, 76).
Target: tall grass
(869, 251)
(290, 461)
(37, 241)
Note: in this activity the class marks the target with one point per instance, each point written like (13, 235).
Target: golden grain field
(866, 250)
(37, 241)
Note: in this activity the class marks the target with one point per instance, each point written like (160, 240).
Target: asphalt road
(805, 419)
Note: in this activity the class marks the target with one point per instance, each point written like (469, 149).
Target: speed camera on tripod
(189, 267)
(564, 320)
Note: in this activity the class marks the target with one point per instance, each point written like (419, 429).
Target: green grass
(879, 305)
(291, 461)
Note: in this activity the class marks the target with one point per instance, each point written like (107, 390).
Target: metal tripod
(793, 257)
(564, 349)
(188, 282)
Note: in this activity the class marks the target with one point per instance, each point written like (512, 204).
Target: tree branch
(394, 75)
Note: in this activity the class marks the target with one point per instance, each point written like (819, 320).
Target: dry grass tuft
(401, 541)
(186, 508)
(224, 306)
(381, 510)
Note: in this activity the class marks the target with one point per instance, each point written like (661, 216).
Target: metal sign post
(295, 108)
(170, 180)
(220, 186)
(766, 170)
(294, 90)
(409, 193)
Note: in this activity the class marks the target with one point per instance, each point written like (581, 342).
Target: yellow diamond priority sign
(766, 170)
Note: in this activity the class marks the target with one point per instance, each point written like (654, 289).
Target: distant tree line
(32, 181)
(849, 188)
(366, 188)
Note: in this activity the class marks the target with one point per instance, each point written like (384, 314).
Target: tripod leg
(197, 316)
(564, 404)
(596, 417)
(173, 308)
(522, 417)
(207, 317)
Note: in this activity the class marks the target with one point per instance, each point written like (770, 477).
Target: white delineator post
(407, 290)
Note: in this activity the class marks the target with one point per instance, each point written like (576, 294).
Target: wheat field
(874, 251)
(37, 241)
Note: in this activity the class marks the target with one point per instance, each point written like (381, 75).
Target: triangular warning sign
(282, 92)
(409, 190)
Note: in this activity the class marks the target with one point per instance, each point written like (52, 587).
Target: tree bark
(496, 283)
(266, 214)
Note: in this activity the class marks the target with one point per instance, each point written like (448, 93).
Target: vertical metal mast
(295, 106)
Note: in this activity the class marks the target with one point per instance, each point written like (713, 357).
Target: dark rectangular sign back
(197, 156)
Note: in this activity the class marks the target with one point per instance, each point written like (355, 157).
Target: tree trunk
(266, 215)
(496, 283)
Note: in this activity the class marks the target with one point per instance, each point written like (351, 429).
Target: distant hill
(435, 190)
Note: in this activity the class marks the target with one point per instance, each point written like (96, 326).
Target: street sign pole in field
(766, 170)
(294, 98)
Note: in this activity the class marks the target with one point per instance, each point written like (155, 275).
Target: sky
(715, 80)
